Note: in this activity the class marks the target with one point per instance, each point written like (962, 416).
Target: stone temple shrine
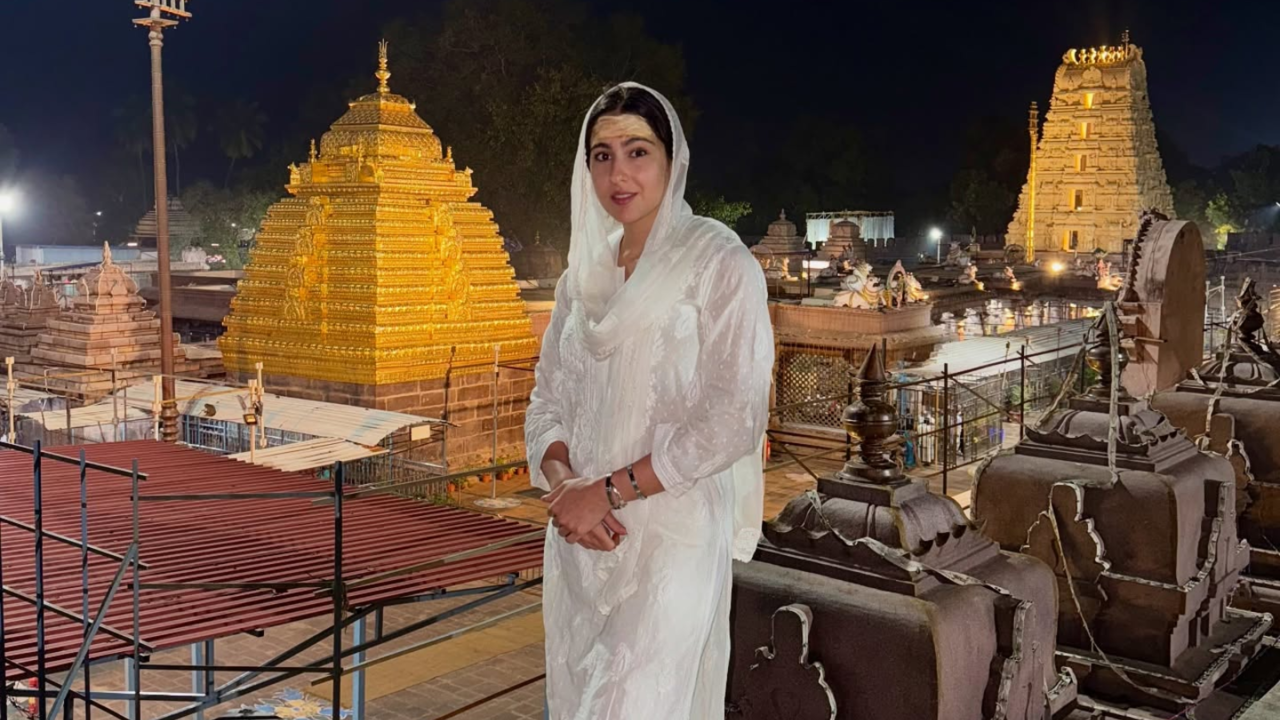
(875, 598)
(1140, 528)
(1096, 166)
(379, 276)
(1230, 404)
(107, 338)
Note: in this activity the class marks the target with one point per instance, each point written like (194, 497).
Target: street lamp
(8, 204)
(935, 234)
(162, 14)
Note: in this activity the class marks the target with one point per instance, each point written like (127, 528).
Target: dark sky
(910, 76)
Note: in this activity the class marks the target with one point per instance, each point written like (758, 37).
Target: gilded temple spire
(383, 73)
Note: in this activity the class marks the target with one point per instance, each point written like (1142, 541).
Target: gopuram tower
(379, 275)
(1096, 167)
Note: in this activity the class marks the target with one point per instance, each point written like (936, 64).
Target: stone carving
(1099, 110)
(1156, 309)
(970, 277)
(1064, 524)
(795, 688)
(1106, 280)
(845, 245)
(1014, 283)
(861, 290)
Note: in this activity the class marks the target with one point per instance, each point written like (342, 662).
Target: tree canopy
(506, 84)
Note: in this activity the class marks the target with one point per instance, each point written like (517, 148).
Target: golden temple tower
(379, 269)
(1096, 167)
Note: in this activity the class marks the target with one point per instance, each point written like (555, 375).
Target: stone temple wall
(1097, 167)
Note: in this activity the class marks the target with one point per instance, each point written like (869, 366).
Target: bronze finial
(1102, 357)
(312, 156)
(873, 423)
(383, 73)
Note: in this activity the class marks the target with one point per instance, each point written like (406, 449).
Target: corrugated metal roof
(359, 425)
(225, 541)
(99, 414)
(960, 355)
(308, 454)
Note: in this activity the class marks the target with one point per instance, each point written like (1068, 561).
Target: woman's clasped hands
(580, 512)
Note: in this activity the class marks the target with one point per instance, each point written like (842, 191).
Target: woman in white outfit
(646, 425)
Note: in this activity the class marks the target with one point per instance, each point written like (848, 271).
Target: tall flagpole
(163, 14)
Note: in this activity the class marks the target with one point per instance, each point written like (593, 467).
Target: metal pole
(4, 685)
(493, 456)
(1022, 394)
(84, 578)
(134, 671)
(358, 679)
(41, 670)
(131, 684)
(169, 409)
(848, 439)
(339, 591)
(946, 424)
(10, 386)
(202, 680)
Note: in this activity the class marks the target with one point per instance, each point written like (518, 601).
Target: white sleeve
(543, 424)
(727, 410)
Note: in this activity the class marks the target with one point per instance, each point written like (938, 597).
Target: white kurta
(643, 632)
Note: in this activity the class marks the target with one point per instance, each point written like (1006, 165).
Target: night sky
(908, 76)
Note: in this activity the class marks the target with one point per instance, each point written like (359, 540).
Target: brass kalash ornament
(380, 269)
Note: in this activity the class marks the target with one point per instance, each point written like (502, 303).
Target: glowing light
(8, 201)
(131, 244)
(816, 264)
(1057, 267)
(935, 234)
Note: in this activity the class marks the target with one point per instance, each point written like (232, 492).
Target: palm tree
(180, 129)
(239, 126)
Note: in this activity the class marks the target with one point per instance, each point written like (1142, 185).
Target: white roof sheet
(99, 414)
(308, 454)
(359, 425)
(960, 355)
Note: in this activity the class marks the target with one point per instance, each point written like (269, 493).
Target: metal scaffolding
(51, 638)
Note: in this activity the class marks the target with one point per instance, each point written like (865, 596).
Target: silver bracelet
(635, 485)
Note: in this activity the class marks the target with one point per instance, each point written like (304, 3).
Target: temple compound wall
(1096, 166)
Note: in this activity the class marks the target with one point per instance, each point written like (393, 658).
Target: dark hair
(629, 100)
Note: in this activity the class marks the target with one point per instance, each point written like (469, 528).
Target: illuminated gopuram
(1096, 166)
(379, 276)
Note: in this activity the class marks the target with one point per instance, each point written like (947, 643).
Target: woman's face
(629, 167)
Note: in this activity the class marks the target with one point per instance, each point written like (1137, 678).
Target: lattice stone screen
(804, 375)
